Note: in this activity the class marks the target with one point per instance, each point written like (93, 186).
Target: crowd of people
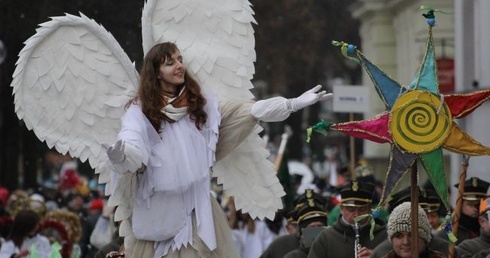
(65, 220)
(345, 236)
(71, 224)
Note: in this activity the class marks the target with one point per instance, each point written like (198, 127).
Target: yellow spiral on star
(419, 122)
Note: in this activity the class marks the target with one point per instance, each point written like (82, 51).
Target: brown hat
(356, 194)
(475, 189)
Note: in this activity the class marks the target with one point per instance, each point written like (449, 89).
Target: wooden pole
(282, 147)
(414, 191)
(459, 202)
(352, 152)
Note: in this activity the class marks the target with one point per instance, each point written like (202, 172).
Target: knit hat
(96, 205)
(400, 221)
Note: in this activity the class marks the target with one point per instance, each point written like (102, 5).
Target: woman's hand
(22, 253)
(116, 152)
(310, 97)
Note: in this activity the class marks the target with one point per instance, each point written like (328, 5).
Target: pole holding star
(418, 121)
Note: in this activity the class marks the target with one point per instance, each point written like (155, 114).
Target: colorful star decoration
(418, 121)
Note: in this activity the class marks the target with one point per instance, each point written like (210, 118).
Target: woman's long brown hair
(150, 93)
(25, 222)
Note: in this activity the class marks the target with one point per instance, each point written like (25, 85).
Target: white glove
(107, 211)
(116, 152)
(310, 97)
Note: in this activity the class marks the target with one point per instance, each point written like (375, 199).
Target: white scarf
(172, 112)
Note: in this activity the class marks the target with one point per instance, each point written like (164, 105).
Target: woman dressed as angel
(170, 136)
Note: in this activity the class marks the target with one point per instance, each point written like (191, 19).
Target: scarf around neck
(175, 107)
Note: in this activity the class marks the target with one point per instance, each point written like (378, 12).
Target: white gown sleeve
(275, 109)
(43, 247)
(8, 248)
(138, 134)
(132, 162)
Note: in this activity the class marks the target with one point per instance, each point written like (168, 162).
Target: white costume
(253, 244)
(39, 243)
(178, 160)
(73, 80)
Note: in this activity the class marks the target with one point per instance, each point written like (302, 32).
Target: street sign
(350, 98)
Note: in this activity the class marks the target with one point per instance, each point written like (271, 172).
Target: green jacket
(301, 252)
(476, 247)
(281, 246)
(338, 240)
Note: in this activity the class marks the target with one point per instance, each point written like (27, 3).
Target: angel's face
(172, 73)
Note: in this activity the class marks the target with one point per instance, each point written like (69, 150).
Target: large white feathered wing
(216, 39)
(217, 42)
(70, 86)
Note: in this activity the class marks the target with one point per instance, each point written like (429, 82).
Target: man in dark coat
(287, 243)
(480, 246)
(339, 240)
(475, 189)
(311, 218)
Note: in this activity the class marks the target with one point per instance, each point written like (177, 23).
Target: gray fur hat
(400, 221)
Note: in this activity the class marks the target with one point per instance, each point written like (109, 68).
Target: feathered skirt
(225, 246)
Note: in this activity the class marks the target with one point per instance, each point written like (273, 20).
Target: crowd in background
(72, 219)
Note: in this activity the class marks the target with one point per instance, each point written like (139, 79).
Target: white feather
(73, 79)
(70, 86)
(249, 176)
(216, 39)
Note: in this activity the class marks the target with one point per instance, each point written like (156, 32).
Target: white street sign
(350, 99)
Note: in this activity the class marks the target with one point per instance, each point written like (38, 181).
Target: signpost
(351, 99)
